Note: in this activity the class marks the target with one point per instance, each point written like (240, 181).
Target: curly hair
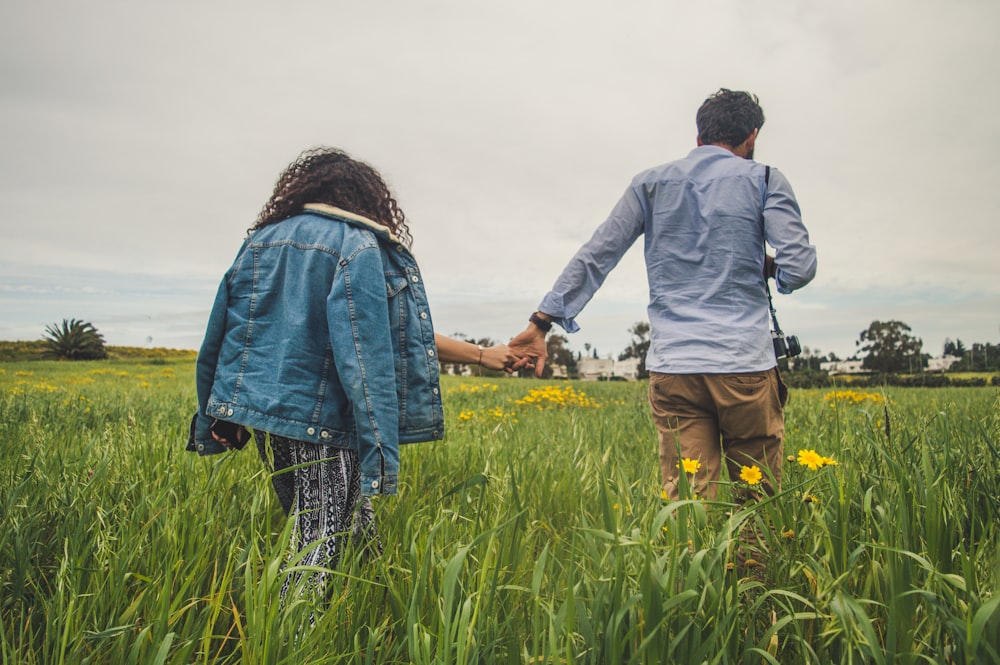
(729, 117)
(331, 176)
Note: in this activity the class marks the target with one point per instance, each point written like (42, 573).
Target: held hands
(498, 357)
(529, 346)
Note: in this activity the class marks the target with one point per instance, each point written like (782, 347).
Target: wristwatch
(542, 324)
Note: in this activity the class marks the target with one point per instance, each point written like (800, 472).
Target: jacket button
(221, 411)
(311, 431)
(430, 352)
(415, 278)
(324, 434)
(374, 484)
(436, 391)
(230, 412)
(201, 447)
(423, 315)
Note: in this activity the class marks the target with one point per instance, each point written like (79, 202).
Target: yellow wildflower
(751, 475)
(811, 459)
(691, 466)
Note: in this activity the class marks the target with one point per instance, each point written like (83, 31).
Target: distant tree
(559, 354)
(74, 340)
(889, 348)
(982, 358)
(638, 347)
(810, 360)
(956, 348)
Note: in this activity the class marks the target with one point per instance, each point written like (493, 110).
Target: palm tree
(74, 340)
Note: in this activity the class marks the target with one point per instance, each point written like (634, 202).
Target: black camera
(785, 346)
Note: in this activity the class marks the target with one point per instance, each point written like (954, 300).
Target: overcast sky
(141, 139)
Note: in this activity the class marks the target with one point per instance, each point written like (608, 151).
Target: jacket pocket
(394, 284)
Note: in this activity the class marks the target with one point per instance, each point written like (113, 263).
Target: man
(714, 391)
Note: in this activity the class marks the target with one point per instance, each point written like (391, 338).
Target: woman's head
(331, 176)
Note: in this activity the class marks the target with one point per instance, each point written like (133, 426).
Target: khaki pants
(737, 419)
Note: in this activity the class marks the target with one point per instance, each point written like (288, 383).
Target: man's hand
(530, 347)
(769, 268)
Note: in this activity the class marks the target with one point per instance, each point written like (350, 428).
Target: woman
(321, 337)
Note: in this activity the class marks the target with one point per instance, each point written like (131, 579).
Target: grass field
(535, 533)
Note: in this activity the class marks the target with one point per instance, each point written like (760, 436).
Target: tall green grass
(535, 533)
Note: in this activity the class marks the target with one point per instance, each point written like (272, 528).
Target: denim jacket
(321, 332)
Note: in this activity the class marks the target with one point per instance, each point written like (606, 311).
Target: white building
(607, 369)
(842, 367)
(942, 364)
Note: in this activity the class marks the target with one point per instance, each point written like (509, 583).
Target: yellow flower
(853, 397)
(751, 475)
(811, 459)
(664, 495)
(690, 465)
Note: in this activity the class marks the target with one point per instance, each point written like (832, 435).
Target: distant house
(607, 369)
(942, 364)
(842, 367)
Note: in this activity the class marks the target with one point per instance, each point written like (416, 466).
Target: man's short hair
(729, 117)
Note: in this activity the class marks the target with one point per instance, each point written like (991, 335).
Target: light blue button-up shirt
(706, 219)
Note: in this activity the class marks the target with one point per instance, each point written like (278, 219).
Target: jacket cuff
(198, 443)
(375, 485)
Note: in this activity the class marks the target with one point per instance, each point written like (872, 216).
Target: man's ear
(699, 141)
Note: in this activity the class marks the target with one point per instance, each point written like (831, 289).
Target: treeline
(820, 379)
(19, 351)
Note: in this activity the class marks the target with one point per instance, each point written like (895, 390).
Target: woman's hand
(498, 357)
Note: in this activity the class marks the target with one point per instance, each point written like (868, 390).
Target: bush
(809, 378)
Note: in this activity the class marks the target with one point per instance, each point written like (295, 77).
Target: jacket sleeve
(358, 311)
(200, 438)
(794, 257)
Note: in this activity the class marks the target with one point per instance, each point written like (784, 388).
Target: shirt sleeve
(794, 257)
(587, 270)
(200, 439)
(358, 310)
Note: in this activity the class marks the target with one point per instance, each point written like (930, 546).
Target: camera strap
(770, 301)
(770, 307)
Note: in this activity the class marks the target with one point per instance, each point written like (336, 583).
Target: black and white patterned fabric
(323, 496)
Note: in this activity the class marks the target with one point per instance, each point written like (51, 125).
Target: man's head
(730, 118)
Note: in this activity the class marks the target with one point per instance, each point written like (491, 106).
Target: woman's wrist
(481, 349)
